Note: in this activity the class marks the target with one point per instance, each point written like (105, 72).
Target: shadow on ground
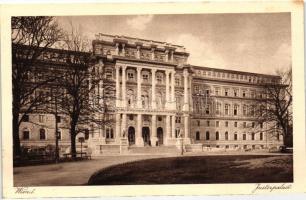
(198, 169)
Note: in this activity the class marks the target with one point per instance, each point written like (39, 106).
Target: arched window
(217, 135)
(235, 109)
(197, 135)
(226, 135)
(207, 135)
(42, 134)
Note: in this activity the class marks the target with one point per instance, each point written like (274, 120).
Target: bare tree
(274, 107)
(84, 86)
(31, 37)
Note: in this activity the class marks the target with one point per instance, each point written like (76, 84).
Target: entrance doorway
(131, 135)
(146, 136)
(160, 136)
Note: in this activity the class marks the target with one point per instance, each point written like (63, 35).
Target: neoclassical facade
(159, 97)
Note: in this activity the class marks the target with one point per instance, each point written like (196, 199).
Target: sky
(259, 43)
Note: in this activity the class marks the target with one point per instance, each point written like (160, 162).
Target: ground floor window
(42, 134)
(26, 135)
(207, 135)
(109, 133)
(197, 135)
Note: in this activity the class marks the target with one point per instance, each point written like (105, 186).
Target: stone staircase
(153, 150)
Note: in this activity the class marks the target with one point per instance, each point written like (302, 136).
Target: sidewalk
(69, 173)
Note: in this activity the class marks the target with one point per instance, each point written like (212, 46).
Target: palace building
(159, 97)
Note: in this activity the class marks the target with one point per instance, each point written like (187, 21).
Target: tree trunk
(16, 140)
(72, 137)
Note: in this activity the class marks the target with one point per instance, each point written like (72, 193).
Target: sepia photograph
(152, 99)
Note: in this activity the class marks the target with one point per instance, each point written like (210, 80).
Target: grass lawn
(198, 169)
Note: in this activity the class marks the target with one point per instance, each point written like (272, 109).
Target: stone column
(168, 128)
(166, 55)
(117, 87)
(173, 90)
(139, 139)
(139, 87)
(186, 129)
(167, 89)
(173, 126)
(153, 89)
(118, 127)
(123, 126)
(154, 134)
(123, 87)
(186, 106)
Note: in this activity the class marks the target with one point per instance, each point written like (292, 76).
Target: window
(145, 77)
(197, 135)
(207, 92)
(226, 146)
(41, 118)
(25, 118)
(253, 124)
(244, 124)
(109, 133)
(226, 135)
(243, 93)
(244, 110)
(26, 135)
(131, 117)
(217, 123)
(159, 118)
(130, 75)
(217, 91)
(178, 120)
(226, 92)
(261, 125)
(253, 136)
(109, 73)
(261, 136)
(59, 135)
(235, 136)
(207, 109)
(42, 134)
(235, 109)
(208, 123)
(235, 124)
(235, 92)
(244, 136)
(217, 135)
(226, 124)
(218, 106)
(226, 107)
(86, 134)
(177, 82)
(159, 78)
(58, 119)
(207, 135)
